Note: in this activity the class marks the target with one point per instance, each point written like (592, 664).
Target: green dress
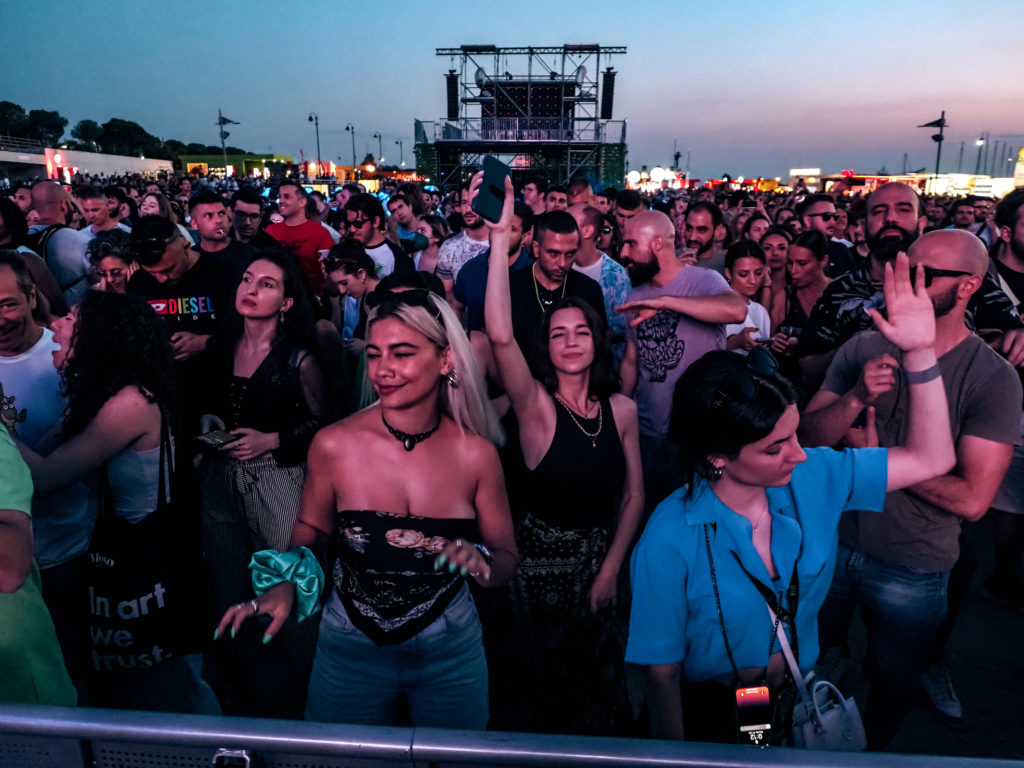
(31, 665)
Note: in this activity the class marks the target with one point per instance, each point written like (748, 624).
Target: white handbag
(822, 717)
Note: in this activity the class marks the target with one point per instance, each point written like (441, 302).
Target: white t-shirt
(383, 257)
(32, 407)
(593, 271)
(757, 317)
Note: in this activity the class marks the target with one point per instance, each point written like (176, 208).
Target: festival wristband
(921, 377)
(298, 566)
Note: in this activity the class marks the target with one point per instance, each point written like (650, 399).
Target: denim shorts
(442, 671)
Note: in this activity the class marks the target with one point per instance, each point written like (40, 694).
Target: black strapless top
(384, 570)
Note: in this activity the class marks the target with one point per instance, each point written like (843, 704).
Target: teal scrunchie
(298, 566)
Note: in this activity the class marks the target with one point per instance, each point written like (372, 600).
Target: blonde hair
(467, 403)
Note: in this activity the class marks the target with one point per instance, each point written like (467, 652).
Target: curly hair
(118, 342)
(604, 378)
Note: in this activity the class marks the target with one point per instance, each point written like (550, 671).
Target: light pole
(314, 118)
(380, 149)
(977, 165)
(401, 152)
(349, 127)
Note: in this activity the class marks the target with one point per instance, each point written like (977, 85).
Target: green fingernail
(441, 560)
(463, 571)
(451, 567)
(267, 639)
(232, 633)
(216, 634)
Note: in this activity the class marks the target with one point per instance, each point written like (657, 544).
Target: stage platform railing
(55, 737)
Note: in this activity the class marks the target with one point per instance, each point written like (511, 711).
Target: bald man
(896, 566)
(675, 313)
(894, 219)
(61, 247)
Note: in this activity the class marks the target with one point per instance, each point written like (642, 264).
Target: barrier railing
(38, 737)
(12, 144)
(512, 129)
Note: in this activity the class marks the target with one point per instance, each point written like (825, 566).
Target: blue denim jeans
(442, 672)
(902, 610)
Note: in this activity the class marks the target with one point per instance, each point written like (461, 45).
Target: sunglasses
(606, 230)
(742, 387)
(388, 301)
(153, 246)
(930, 273)
(357, 222)
(824, 216)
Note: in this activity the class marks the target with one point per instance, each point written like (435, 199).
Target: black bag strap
(782, 613)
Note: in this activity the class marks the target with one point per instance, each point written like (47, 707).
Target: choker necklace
(407, 440)
(592, 436)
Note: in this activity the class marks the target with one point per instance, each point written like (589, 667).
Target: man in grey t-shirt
(896, 565)
(676, 313)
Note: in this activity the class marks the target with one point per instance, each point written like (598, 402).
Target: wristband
(921, 377)
(298, 566)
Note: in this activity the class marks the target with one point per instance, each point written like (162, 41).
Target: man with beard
(819, 212)
(457, 250)
(702, 220)
(471, 284)
(676, 313)
(893, 221)
(897, 566)
(551, 277)
(246, 215)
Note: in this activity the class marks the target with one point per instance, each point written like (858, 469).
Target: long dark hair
(118, 342)
(720, 404)
(604, 378)
(297, 327)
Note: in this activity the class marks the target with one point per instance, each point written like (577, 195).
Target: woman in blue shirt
(758, 515)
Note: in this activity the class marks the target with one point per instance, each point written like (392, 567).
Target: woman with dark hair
(806, 259)
(354, 274)
(755, 227)
(747, 274)
(267, 390)
(116, 369)
(755, 524)
(582, 498)
(775, 244)
(411, 494)
(609, 239)
(436, 230)
(110, 254)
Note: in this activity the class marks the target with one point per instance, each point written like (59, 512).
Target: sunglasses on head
(742, 387)
(387, 301)
(930, 273)
(153, 246)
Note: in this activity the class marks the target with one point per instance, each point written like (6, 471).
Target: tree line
(115, 137)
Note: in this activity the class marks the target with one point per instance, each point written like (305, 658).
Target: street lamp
(352, 130)
(314, 118)
(380, 149)
(401, 152)
(979, 143)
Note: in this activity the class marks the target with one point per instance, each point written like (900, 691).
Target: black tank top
(579, 481)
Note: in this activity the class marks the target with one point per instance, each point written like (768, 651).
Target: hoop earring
(453, 379)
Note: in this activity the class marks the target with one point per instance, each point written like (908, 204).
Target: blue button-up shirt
(674, 618)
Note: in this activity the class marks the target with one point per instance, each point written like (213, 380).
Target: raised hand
(911, 321)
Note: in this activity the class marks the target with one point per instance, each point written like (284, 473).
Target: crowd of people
(373, 458)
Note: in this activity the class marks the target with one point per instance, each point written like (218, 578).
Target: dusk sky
(753, 88)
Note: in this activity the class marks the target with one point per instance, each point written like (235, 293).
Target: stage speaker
(607, 93)
(453, 94)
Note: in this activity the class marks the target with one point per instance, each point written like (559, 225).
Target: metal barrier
(49, 737)
(13, 144)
